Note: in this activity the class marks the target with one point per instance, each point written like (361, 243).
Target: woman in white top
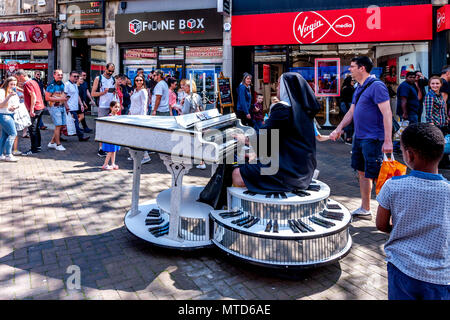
(9, 102)
(139, 97)
(192, 102)
(139, 104)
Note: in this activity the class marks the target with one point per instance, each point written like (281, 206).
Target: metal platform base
(193, 226)
(283, 248)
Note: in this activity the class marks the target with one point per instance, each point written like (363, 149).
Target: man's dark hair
(74, 71)
(363, 61)
(410, 73)
(170, 80)
(21, 72)
(445, 69)
(424, 139)
(260, 95)
(139, 69)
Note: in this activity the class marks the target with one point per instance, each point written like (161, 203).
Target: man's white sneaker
(52, 145)
(362, 214)
(2, 157)
(11, 158)
(60, 148)
(145, 160)
(201, 166)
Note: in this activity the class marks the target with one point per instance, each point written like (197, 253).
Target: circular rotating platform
(193, 228)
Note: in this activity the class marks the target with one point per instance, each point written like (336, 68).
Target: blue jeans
(257, 124)
(77, 124)
(9, 133)
(403, 287)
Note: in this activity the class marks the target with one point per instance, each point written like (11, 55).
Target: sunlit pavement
(59, 209)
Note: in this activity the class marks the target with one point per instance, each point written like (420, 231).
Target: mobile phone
(111, 90)
(14, 89)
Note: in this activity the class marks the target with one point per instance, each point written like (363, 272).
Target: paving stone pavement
(59, 209)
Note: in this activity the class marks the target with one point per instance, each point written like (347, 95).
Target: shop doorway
(81, 55)
(265, 81)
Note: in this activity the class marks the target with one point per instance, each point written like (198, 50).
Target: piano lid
(189, 120)
(169, 123)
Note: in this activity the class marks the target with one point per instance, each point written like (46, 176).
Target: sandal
(107, 167)
(115, 167)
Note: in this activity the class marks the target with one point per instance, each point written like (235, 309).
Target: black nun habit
(293, 117)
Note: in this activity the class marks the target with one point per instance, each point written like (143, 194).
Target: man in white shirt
(73, 103)
(160, 96)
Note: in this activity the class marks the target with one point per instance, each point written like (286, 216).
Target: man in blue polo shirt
(371, 113)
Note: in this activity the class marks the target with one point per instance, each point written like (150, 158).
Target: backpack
(100, 82)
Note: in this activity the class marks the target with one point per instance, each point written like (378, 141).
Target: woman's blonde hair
(194, 86)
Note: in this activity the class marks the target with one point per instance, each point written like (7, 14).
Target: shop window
(391, 63)
(176, 53)
(270, 54)
(139, 58)
(30, 61)
(28, 6)
(98, 61)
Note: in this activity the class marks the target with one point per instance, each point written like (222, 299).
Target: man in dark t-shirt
(408, 104)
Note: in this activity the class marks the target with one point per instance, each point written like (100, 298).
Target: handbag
(215, 192)
(70, 123)
(22, 117)
(389, 168)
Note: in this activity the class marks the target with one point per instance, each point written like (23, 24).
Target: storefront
(181, 43)
(25, 46)
(320, 45)
(87, 36)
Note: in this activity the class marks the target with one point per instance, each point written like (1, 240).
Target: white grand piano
(174, 219)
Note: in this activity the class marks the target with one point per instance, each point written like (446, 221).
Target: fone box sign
(203, 24)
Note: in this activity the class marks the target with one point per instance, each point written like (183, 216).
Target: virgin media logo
(311, 27)
(440, 20)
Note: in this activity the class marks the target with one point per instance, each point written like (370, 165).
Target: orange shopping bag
(389, 169)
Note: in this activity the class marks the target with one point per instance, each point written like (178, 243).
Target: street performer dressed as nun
(293, 118)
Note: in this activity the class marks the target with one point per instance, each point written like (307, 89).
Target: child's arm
(383, 220)
(322, 138)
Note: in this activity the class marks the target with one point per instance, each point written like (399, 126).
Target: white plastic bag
(70, 122)
(403, 125)
(22, 117)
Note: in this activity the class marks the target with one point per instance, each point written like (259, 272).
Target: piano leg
(178, 167)
(137, 158)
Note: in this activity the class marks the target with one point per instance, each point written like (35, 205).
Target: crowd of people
(23, 101)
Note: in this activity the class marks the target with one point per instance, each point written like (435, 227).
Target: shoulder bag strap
(364, 89)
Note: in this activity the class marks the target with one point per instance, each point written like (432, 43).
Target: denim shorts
(58, 115)
(404, 287)
(367, 156)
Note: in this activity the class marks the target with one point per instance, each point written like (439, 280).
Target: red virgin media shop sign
(26, 37)
(443, 18)
(373, 24)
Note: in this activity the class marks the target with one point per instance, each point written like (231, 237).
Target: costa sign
(443, 19)
(26, 37)
(371, 24)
